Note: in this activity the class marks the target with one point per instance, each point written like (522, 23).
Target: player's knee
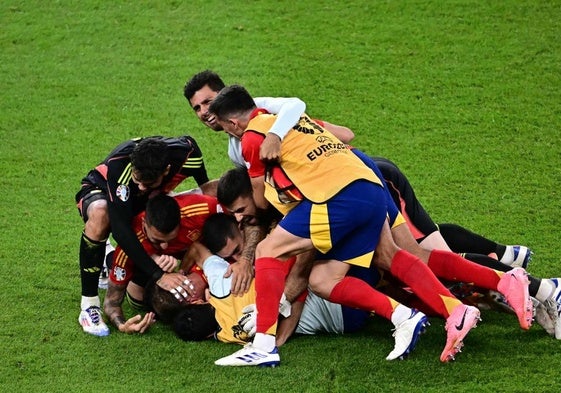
(97, 225)
(318, 284)
(264, 249)
(381, 261)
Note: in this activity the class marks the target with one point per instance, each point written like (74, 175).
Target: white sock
(400, 314)
(545, 290)
(508, 256)
(88, 301)
(263, 341)
(108, 247)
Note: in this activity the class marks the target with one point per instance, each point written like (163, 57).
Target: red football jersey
(195, 209)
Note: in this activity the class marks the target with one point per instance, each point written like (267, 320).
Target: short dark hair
(163, 213)
(232, 185)
(149, 158)
(200, 80)
(217, 229)
(195, 322)
(162, 302)
(232, 100)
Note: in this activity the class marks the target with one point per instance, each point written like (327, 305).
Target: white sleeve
(214, 269)
(235, 151)
(288, 111)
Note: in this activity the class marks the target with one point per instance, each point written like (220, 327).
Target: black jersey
(114, 177)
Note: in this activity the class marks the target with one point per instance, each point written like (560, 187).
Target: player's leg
(447, 265)
(542, 290)
(462, 240)
(403, 195)
(356, 218)
(329, 280)
(513, 284)
(401, 192)
(104, 275)
(453, 267)
(452, 237)
(93, 209)
(398, 251)
(412, 271)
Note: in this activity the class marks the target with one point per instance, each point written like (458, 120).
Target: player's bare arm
(344, 134)
(209, 188)
(258, 185)
(287, 326)
(196, 255)
(243, 270)
(269, 151)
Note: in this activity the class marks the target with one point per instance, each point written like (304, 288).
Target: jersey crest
(120, 273)
(123, 192)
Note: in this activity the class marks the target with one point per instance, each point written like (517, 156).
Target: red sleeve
(251, 141)
(122, 268)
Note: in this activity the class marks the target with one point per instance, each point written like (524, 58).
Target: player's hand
(138, 324)
(248, 320)
(269, 151)
(178, 284)
(242, 274)
(166, 262)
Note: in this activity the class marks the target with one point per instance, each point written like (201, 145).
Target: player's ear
(168, 168)
(231, 127)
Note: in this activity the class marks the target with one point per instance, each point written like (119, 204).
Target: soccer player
(222, 318)
(447, 237)
(201, 89)
(316, 315)
(545, 291)
(204, 86)
(167, 229)
(332, 202)
(232, 319)
(113, 193)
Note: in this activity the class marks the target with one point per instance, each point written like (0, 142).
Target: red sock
(353, 292)
(422, 281)
(453, 267)
(270, 277)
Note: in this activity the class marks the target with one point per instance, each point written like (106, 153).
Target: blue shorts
(394, 215)
(346, 227)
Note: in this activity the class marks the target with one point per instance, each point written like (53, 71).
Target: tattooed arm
(242, 270)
